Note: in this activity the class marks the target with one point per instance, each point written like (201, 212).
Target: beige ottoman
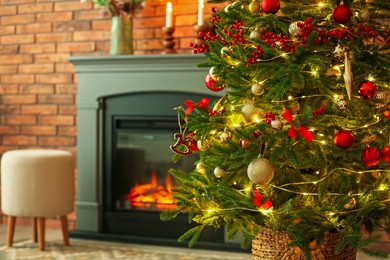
(37, 184)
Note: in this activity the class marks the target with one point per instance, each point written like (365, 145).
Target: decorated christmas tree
(298, 141)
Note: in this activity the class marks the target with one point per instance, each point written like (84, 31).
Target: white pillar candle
(168, 21)
(200, 12)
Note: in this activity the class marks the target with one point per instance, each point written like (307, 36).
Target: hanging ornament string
(183, 145)
(348, 77)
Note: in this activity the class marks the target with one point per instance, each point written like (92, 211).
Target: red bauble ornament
(270, 6)
(367, 89)
(386, 113)
(342, 14)
(344, 139)
(386, 154)
(210, 83)
(371, 156)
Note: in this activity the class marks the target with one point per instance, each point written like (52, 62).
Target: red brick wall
(38, 85)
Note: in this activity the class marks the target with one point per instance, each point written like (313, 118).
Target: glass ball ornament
(255, 34)
(226, 135)
(202, 145)
(212, 84)
(385, 153)
(254, 7)
(344, 139)
(364, 15)
(386, 114)
(260, 171)
(200, 168)
(294, 29)
(277, 124)
(244, 143)
(249, 110)
(257, 89)
(219, 172)
(270, 6)
(342, 104)
(371, 156)
(367, 89)
(341, 14)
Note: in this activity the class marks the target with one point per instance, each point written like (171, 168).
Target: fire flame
(152, 195)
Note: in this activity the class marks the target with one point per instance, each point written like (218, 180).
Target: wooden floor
(25, 233)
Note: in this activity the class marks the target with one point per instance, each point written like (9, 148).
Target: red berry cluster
(366, 31)
(235, 32)
(255, 55)
(199, 48)
(317, 112)
(215, 18)
(306, 28)
(275, 40)
(269, 117)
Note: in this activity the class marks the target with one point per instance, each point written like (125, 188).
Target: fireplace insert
(138, 129)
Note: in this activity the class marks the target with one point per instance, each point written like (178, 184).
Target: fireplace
(126, 121)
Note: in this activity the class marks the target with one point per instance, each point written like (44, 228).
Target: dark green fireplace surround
(101, 78)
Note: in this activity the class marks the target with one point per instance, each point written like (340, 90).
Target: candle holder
(168, 42)
(202, 28)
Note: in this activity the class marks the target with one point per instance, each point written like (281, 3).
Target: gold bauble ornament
(249, 110)
(200, 168)
(260, 171)
(351, 204)
(226, 53)
(254, 7)
(257, 89)
(219, 172)
(202, 145)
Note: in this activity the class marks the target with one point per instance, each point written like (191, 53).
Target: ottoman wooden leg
(10, 230)
(65, 231)
(34, 230)
(41, 233)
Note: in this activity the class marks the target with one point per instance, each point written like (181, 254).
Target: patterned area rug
(96, 250)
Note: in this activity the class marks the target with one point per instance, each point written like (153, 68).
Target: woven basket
(270, 245)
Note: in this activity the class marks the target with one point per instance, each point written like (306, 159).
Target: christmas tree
(299, 140)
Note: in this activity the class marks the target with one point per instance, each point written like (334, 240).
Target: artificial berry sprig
(255, 55)
(269, 117)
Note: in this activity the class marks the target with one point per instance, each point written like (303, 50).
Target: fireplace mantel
(113, 75)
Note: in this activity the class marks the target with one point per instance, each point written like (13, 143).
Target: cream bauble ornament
(364, 15)
(294, 29)
(225, 135)
(277, 124)
(257, 89)
(255, 35)
(260, 171)
(219, 172)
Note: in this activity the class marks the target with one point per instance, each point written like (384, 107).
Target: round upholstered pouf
(37, 183)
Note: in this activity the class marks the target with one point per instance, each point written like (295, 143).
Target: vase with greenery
(122, 12)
